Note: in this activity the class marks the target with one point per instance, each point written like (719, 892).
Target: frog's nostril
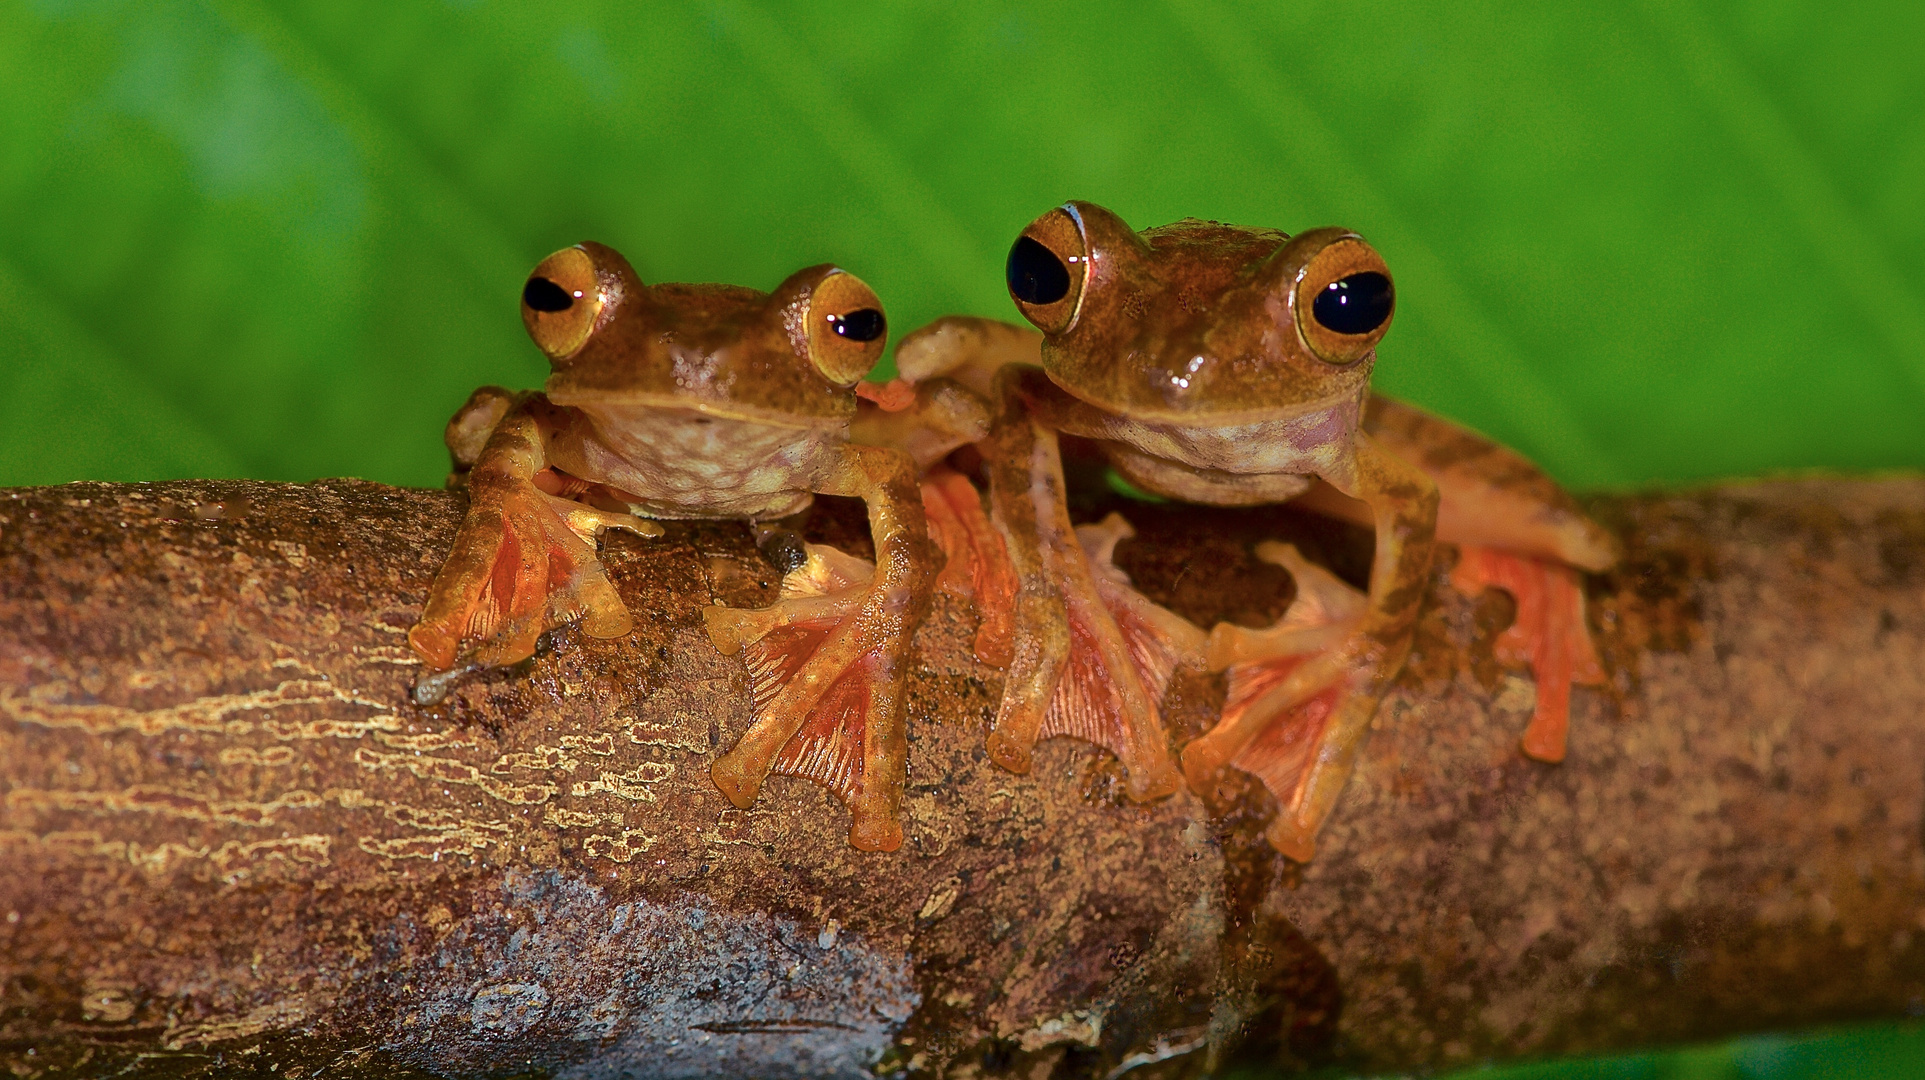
(544, 295)
(862, 324)
(1356, 305)
(1036, 275)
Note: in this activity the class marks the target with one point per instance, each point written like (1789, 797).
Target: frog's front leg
(926, 420)
(1357, 669)
(1081, 666)
(829, 665)
(523, 559)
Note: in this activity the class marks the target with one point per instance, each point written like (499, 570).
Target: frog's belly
(678, 464)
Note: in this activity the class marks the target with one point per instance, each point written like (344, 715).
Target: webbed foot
(523, 561)
(1290, 686)
(1113, 663)
(1549, 634)
(977, 567)
(825, 669)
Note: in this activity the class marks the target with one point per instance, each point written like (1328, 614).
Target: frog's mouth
(671, 406)
(1211, 419)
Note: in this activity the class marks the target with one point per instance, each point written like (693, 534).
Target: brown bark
(231, 844)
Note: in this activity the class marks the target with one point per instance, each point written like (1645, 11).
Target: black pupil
(544, 295)
(862, 324)
(1356, 305)
(1036, 275)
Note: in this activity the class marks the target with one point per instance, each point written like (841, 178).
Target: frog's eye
(847, 329)
(561, 301)
(1343, 301)
(1048, 266)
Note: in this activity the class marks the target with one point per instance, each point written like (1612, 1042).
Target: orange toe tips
(976, 567)
(737, 783)
(433, 645)
(892, 396)
(1009, 752)
(1292, 839)
(1153, 780)
(607, 624)
(1544, 742)
(1550, 635)
(875, 832)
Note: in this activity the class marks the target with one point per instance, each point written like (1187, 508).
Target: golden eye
(561, 301)
(1343, 300)
(847, 329)
(1047, 268)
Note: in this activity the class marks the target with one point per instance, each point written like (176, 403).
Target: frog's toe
(1293, 839)
(1121, 651)
(1549, 634)
(977, 567)
(1291, 687)
(825, 693)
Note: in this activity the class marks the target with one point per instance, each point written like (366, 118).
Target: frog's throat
(720, 410)
(1231, 454)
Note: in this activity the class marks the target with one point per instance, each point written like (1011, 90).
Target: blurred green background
(1655, 242)
(1647, 242)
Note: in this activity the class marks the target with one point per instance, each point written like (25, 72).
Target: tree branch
(231, 843)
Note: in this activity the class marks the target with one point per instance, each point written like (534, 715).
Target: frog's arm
(1353, 674)
(1078, 666)
(968, 349)
(523, 559)
(830, 668)
(929, 412)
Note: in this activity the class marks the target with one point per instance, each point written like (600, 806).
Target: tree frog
(696, 401)
(1230, 366)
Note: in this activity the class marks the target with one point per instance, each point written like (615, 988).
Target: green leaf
(1655, 244)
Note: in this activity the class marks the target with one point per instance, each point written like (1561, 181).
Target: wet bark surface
(230, 844)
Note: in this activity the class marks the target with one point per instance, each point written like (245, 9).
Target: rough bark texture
(232, 846)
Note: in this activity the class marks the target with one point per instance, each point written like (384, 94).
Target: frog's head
(791, 356)
(1198, 320)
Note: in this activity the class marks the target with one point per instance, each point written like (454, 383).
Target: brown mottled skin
(684, 401)
(1190, 355)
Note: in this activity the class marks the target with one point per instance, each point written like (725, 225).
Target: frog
(696, 402)
(1230, 365)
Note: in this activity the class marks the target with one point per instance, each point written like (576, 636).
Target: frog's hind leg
(1325, 611)
(523, 561)
(827, 662)
(1518, 531)
(1091, 656)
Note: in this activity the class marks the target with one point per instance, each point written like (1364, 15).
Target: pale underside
(680, 463)
(1244, 464)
